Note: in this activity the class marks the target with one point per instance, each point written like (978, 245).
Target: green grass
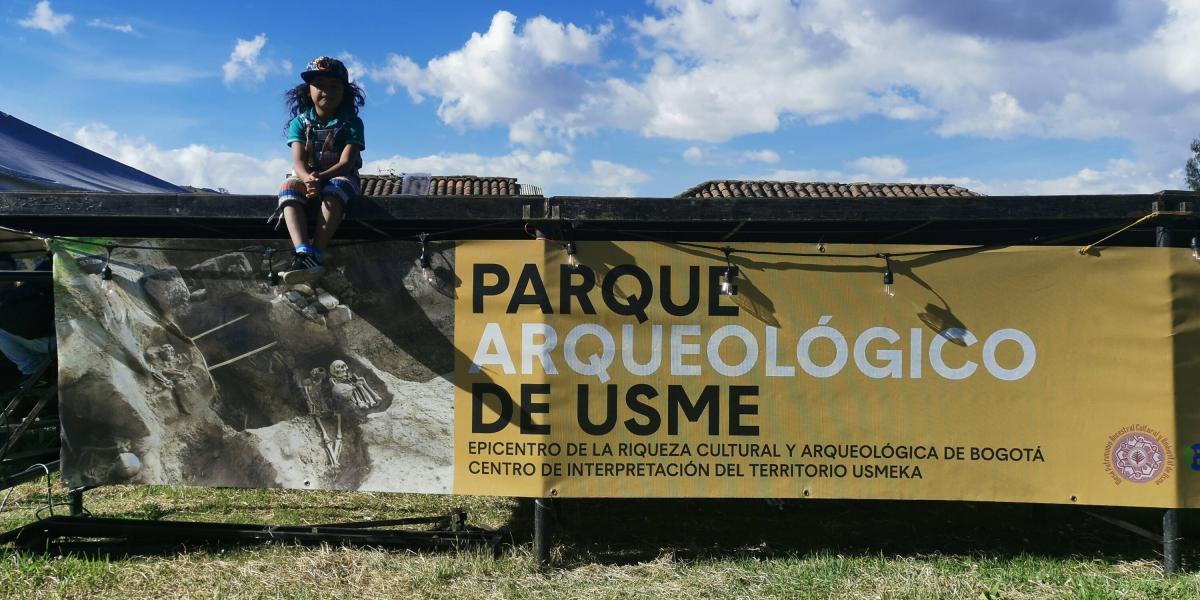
(612, 549)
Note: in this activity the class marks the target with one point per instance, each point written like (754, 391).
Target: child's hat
(324, 66)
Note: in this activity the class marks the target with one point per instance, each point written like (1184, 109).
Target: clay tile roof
(445, 185)
(796, 189)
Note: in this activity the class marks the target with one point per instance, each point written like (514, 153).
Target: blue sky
(635, 98)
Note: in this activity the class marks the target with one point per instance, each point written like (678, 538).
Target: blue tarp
(32, 159)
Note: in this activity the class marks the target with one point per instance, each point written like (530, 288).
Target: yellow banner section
(638, 369)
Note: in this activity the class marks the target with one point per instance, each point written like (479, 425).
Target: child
(326, 137)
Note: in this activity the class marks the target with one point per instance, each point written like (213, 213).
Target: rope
(1088, 248)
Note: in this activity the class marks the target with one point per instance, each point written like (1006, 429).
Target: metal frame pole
(1171, 536)
(76, 502)
(1171, 539)
(541, 532)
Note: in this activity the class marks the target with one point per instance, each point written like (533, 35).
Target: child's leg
(327, 221)
(292, 204)
(335, 197)
(306, 263)
(297, 224)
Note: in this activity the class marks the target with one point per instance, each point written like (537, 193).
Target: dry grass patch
(617, 549)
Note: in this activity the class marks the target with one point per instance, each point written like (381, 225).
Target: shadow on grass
(628, 531)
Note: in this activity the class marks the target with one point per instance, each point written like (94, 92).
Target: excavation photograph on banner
(188, 365)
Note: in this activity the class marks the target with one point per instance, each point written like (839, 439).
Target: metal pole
(541, 532)
(1171, 539)
(1162, 236)
(1170, 522)
(76, 502)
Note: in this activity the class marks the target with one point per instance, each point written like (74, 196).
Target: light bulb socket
(106, 271)
(888, 278)
(424, 259)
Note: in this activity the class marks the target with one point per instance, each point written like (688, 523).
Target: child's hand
(312, 185)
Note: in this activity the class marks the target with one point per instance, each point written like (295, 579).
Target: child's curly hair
(299, 101)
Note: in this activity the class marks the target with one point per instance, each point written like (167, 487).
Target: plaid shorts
(342, 188)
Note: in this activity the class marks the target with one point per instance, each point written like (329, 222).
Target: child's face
(326, 93)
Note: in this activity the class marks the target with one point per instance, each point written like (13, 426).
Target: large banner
(638, 369)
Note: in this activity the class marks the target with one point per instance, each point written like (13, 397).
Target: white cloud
(246, 64)
(201, 166)
(508, 76)
(194, 165)
(880, 168)
(354, 67)
(1118, 176)
(102, 24)
(769, 157)
(554, 172)
(43, 17)
(809, 175)
(614, 179)
(694, 155)
(558, 174)
(1176, 45)
(709, 71)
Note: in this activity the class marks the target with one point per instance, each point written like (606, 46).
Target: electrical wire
(49, 490)
(440, 235)
(818, 254)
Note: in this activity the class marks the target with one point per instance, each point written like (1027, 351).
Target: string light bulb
(728, 287)
(1196, 248)
(572, 259)
(272, 276)
(106, 272)
(888, 277)
(426, 262)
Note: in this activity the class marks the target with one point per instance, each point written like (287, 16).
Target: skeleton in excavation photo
(320, 407)
(351, 391)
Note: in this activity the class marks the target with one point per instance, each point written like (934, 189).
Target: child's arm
(347, 164)
(310, 181)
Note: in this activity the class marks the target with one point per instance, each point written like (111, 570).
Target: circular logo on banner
(1138, 454)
